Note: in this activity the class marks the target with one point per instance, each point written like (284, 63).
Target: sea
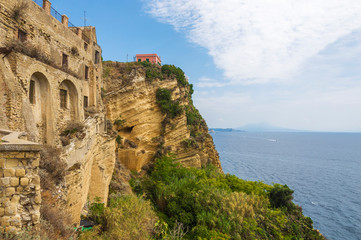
(323, 169)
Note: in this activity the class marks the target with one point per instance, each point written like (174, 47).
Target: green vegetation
(126, 217)
(212, 205)
(167, 106)
(173, 71)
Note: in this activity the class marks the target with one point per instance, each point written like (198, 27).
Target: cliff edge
(151, 111)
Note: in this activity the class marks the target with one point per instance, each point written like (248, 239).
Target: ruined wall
(20, 197)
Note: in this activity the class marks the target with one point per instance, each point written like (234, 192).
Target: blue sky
(290, 63)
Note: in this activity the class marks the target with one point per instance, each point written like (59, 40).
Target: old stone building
(50, 76)
(49, 71)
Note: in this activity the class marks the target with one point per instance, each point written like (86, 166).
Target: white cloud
(260, 40)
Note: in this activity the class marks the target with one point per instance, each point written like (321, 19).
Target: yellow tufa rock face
(143, 130)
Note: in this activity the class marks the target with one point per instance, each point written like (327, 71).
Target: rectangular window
(21, 35)
(86, 74)
(65, 61)
(63, 95)
(85, 101)
(32, 92)
(139, 60)
(96, 57)
(85, 46)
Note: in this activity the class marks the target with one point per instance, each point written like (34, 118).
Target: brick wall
(20, 196)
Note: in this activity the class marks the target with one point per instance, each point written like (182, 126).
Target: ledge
(11, 142)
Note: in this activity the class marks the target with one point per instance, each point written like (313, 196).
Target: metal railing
(58, 16)
(55, 14)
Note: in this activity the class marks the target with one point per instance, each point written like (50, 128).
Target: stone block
(30, 155)
(24, 181)
(19, 189)
(5, 221)
(2, 211)
(15, 199)
(11, 210)
(11, 163)
(35, 218)
(5, 182)
(20, 172)
(1, 173)
(20, 155)
(9, 172)
(37, 199)
(10, 191)
(14, 181)
(2, 162)
(35, 163)
(36, 180)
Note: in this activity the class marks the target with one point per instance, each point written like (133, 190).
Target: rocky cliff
(151, 112)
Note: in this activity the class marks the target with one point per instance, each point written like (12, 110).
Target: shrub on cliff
(173, 71)
(126, 217)
(166, 104)
(212, 205)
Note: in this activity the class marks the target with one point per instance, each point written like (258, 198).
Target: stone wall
(20, 197)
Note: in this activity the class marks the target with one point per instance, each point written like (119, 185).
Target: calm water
(324, 169)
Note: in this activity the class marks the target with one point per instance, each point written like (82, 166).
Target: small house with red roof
(152, 58)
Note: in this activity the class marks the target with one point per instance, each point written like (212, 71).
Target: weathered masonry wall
(20, 197)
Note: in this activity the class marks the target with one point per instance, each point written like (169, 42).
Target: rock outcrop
(143, 130)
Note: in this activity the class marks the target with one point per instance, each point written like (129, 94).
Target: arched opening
(69, 103)
(39, 97)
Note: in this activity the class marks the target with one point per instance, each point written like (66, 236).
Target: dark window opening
(86, 74)
(85, 46)
(63, 96)
(65, 61)
(96, 59)
(139, 60)
(85, 102)
(32, 92)
(147, 59)
(21, 36)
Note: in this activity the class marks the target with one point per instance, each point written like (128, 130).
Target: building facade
(50, 70)
(152, 58)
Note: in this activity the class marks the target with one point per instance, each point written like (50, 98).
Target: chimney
(64, 20)
(47, 6)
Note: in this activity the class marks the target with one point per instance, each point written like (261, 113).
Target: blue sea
(324, 170)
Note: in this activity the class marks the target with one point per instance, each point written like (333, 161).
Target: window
(139, 60)
(96, 57)
(85, 102)
(21, 35)
(65, 61)
(32, 92)
(147, 59)
(85, 46)
(86, 74)
(63, 95)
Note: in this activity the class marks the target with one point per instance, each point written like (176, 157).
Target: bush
(212, 205)
(126, 217)
(73, 129)
(19, 11)
(173, 71)
(281, 196)
(167, 106)
(54, 168)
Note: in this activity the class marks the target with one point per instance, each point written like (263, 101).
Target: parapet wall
(20, 196)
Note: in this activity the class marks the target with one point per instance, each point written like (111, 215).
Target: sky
(289, 63)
